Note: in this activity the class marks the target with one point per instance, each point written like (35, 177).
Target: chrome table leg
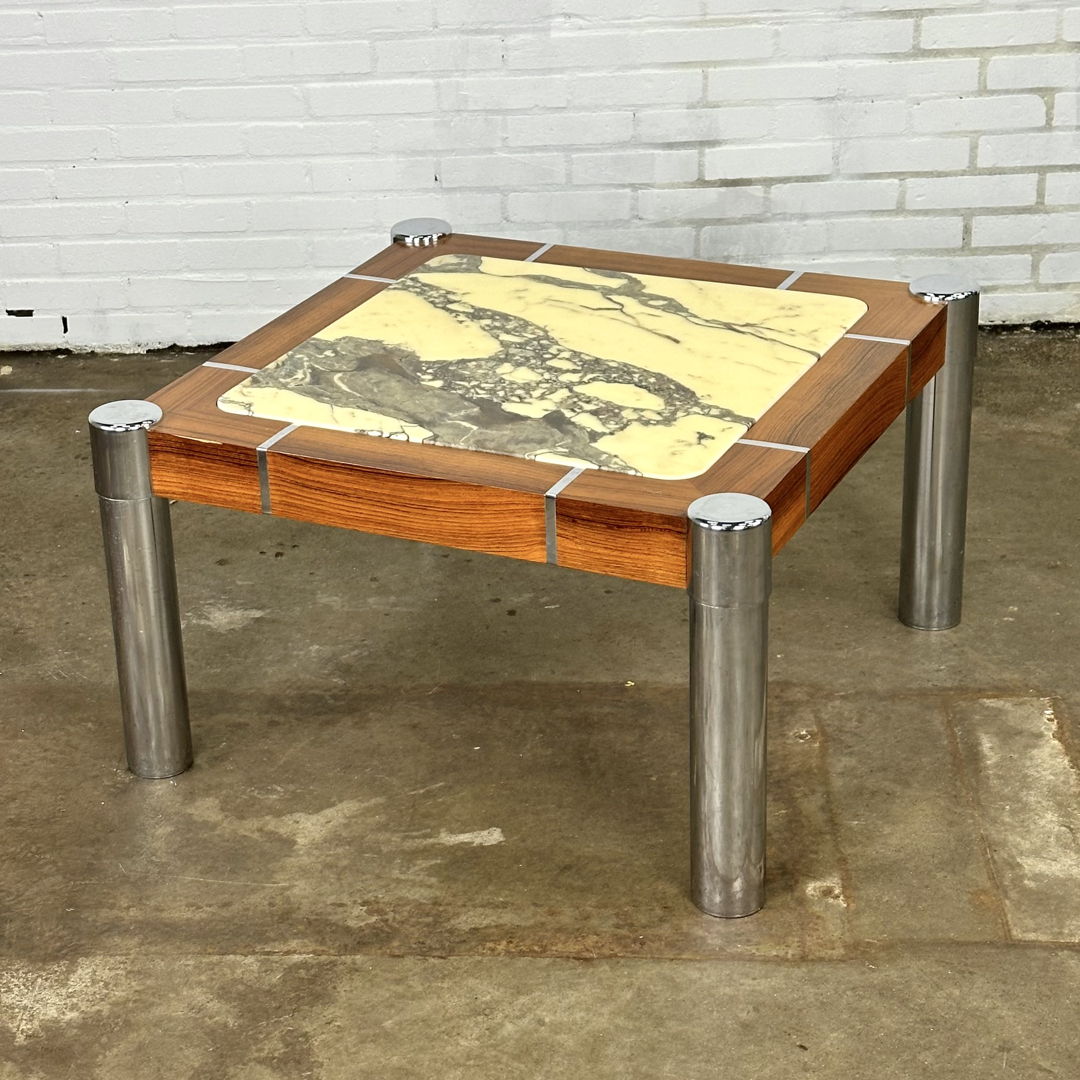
(936, 467)
(730, 582)
(142, 591)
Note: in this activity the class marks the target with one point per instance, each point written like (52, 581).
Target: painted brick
(1060, 266)
(372, 174)
(30, 106)
(441, 53)
(553, 128)
(835, 196)
(122, 256)
(1040, 148)
(904, 155)
(881, 232)
(208, 22)
(26, 184)
(34, 258)
(36, 68)
(53, 143)
(634, 167)
(778, 159)
(371, 98)
(87, 181)
(713, 203)
(264, 146)
(831, 37)
(116, 105)
(35, 330)
(1053, 70)
(570, 206)
(737, 84)
(908, 78)
(244, 178)
(989, 29)
(94, 24)
(239, 103)
(348, 17)
(502, 169)
(181, 64)
(21, 26)
(1021, 230)
(979, 114)
(1067, 110)
(778, 240)
(697, 45)
(1063, 188)
(281, 61)
(968, 192)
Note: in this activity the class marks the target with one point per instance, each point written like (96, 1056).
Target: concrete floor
(437, 823)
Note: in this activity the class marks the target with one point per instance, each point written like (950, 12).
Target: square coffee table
(666, 420)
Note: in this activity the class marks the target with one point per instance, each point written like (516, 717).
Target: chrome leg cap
(420, 232)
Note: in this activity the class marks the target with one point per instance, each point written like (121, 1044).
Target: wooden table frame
(714, 534)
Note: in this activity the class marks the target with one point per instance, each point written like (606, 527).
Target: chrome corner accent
(538, 252)
(550, 512)
(936, 457)
(420, 232)
(370, 277)
(264, 473)
(943, 288)
(142, 591)
(730, 583)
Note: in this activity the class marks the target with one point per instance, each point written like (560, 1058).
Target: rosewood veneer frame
(613, 523)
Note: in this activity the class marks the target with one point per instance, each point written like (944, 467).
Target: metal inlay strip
(371, 277)
(230, 367)
(264, 476)
(776, 445)
(550, 496)
(806, 513)
(790, 279)
(538, 252)
(886, 340)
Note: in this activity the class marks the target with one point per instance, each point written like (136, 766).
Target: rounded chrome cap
(943, 288)
(729, 511)
(129, 415)
(420, 232)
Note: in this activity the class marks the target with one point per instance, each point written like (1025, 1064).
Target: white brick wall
(175, 171)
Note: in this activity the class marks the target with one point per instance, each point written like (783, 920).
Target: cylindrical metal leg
(730, 582)
(142, 591)
(936, 467)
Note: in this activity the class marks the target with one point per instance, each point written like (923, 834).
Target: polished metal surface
(264, 471)
(142, 592)
(730, 583)
(538, 252)
(550, 517)
(936, 467)
(118, 445)
(420, 232)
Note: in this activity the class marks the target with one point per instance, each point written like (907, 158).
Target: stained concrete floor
(437, 823)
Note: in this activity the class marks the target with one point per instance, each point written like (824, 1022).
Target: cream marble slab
(628, 372)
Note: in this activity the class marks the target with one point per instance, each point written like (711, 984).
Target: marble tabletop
(632, 373)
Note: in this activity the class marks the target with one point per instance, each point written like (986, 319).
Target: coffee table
(665, 420)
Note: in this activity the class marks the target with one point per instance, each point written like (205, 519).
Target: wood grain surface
(199, 453)
(611, 523)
